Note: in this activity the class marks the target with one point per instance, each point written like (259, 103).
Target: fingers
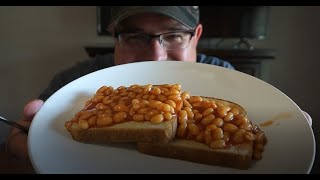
(17, 140)
(17, 145)
(21, 122)
(31, 109)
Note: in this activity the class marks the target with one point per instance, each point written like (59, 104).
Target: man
(141, 34)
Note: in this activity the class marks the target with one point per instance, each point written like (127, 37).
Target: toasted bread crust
(130, 131)
(238, 156)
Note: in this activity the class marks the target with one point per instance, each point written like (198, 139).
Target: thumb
(31, 108)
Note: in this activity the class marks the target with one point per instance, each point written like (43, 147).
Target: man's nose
(155, 51)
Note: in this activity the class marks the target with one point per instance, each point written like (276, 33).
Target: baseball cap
(187, 15)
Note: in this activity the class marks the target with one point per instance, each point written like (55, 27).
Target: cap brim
(170, 12)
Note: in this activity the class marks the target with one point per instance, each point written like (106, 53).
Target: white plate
(290, 148)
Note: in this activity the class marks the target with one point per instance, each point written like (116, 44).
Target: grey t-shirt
(101, 62)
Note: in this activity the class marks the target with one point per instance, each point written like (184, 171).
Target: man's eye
(173, 37)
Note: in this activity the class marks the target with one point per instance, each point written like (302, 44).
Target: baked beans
(109, 106)
(219, 125)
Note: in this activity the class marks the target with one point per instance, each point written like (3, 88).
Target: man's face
(153, 24)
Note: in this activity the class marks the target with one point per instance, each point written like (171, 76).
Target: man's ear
(198, 31)
(197, 35)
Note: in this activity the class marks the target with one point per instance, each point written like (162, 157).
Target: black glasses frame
(152, 36)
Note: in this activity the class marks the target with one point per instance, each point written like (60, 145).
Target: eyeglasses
(169, 40)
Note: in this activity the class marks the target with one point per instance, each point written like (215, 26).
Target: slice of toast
(235, 156)
(238, 156)
(130, 131)
(127, 114)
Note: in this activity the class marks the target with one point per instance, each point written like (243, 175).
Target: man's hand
(17, 140)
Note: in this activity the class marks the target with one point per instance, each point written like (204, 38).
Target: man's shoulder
(202, 58)
(81, 68)
(104, 60)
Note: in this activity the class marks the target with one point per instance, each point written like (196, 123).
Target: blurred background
(37, 42)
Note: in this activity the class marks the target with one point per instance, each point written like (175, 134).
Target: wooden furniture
(253, 62)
